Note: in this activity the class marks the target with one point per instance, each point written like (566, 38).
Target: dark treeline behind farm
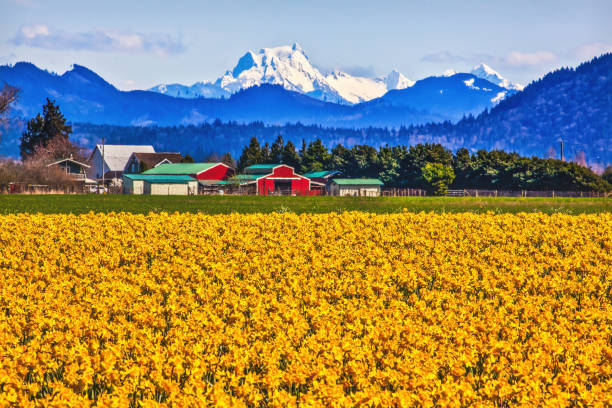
(401, 166)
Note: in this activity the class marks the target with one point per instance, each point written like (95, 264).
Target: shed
(139, 162)
(200, 171)
(323, 176)
(153, 184)
(275, 179)
(355, 187)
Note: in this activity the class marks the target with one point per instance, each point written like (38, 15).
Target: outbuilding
(355, 187)
(139, 162)
(267, 179)
(153, 184)
(199, 171)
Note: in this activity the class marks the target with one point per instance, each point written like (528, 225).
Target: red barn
(275, 179)
(200, 171)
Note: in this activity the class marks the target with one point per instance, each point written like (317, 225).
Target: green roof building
(159, 184)
(363, 187)
(181, 168)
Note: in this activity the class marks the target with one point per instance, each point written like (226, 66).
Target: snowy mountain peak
(397, 80)
(289, 66)
(449, 72)
(297, 47)
(486, 72)
(486, 69)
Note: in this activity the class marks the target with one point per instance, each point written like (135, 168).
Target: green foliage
(266, 154)
(290, 156)
(607, 175)
(399, 166)
(251, 154)
(439, 176)
(276, 151)
(316, 157)
(416, 157)
(43, 128)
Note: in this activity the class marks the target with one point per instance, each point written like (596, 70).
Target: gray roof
(116, 156)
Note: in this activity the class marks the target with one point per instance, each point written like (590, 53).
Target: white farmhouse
(115, 159)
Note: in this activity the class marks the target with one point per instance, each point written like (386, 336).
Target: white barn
(159, 184)
(355, 187)
(115, 159)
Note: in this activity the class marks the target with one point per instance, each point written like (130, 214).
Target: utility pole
(561, 149)
(103, 164)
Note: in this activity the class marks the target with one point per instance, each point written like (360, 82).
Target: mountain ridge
(290, 67)
(570, 103)
(84, 96)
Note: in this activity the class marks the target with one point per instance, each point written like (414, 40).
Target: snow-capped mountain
(290, 67)
(486, 72)
(360, 89)
(197, 90)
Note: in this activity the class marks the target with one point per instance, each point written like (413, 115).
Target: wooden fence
(523, 193)
(402, 192)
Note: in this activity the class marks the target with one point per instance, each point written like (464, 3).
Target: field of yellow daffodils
(352, 309)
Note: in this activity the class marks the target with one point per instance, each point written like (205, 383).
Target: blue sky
(137, 44)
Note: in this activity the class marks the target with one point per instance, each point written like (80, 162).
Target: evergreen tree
(187, 159)
(363, 162)
(228, 160)
(462, 163)
(316, 157)
(251, 155)
(290, 157)
(276, 151)
(389, 166)
(339, 158)
(302, 152)
(41, 129)
(266, 154)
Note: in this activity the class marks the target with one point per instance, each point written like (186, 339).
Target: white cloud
(43, 36)
(529, 59)
(514, 59)
(588, 51)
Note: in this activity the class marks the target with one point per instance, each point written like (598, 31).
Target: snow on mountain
(290, 67)
(360, 89)
(397, 80)
(197, 90)
(486, 72)
(449, 72)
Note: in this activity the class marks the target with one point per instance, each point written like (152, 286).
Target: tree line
(429, 166)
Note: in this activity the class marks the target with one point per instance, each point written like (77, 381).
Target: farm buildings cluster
(141, 170)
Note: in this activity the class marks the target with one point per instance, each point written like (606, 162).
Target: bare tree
(8, 95)
(59, 148)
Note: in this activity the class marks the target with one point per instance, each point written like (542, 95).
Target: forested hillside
(570, 104)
